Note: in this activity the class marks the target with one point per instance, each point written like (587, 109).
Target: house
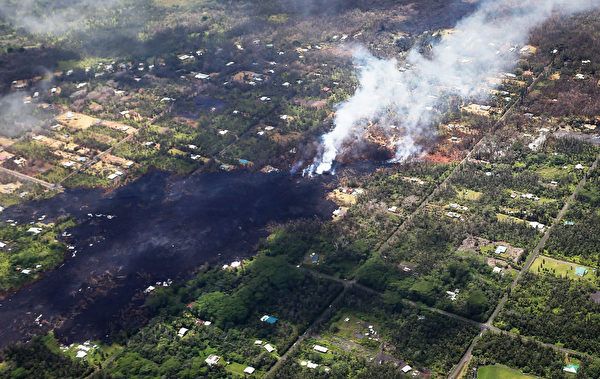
(311, 365)
(269, 319)
(340, 212)
(571, 368)
(2, 244)
(81, 354)
(34, 230)
(320, 349)
(182, 332)
(406, 369)
(258, 342)
(314, 258)
(393, 209)
(452, 295)
(537, 225)
(212, 360)
(20, 161)
(501, 249)
(580, 271)
(115, 175)
(268, 347)
(149, 289)
(497, 270)
(453, 215)
(249, 370)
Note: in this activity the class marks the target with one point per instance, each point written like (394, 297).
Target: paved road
(389, 241)
(28, 178)
(321, 319)
(95, 159)
(455, 372)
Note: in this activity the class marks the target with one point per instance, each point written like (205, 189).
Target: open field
(564, 269)
(500, 372)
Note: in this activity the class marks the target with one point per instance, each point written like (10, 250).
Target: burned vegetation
(164, 212)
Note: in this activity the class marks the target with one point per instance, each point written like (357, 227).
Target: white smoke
(17, 116)
(482, 45)
(56, 17)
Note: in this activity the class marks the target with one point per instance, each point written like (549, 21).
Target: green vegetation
(577, 239)
(526, 356)
(41, 355)
(555, 310)
(500, 372)
(563, 269)
(242, 93)
(27, 253)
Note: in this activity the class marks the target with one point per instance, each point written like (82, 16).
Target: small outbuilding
(269, 319)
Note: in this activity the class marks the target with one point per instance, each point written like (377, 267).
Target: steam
(482, 45)
(55, 17)
(16, 116)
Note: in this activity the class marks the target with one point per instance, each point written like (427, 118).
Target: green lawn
(561, 268)
(467, 194)
(235, 368)
(500, 372)
(506, 218)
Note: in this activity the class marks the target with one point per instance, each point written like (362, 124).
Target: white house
(212, 360)
(269, 348)
(182, 332)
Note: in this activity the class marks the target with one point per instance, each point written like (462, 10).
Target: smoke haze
(55, 17)
(482, 45)
(16, 117)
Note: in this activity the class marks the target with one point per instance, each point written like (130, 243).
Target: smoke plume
(484, 44)
(56, 17)
(16, 116)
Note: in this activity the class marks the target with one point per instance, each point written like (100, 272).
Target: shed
(269, 319)
(320, 349)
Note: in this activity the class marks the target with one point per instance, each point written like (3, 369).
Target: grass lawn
(346, 336)
(467, 194)
(552, 173)
(561, 268)
(500, 372)
(506, 218)
(235, 368)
